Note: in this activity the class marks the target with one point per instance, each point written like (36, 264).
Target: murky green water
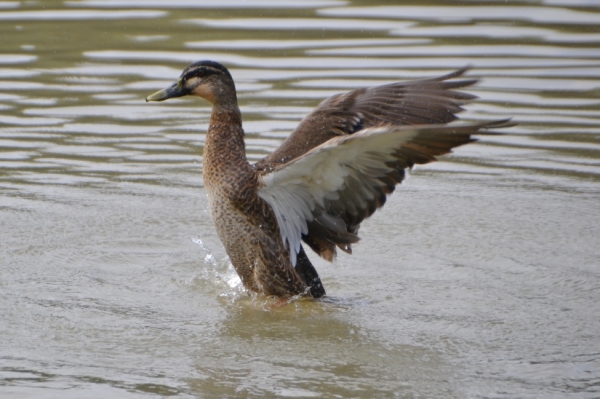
(480, 278)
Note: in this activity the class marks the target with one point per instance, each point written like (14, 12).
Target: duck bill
(173, 91)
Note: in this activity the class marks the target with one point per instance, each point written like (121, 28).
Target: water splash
(221, 272)
(209, 259)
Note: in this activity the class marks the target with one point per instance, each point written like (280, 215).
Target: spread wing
(324, 195)
(421, 102)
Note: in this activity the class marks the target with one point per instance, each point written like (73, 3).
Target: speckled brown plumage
(242, 196)
(245, 223)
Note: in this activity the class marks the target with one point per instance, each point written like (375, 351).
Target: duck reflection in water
(332, 172)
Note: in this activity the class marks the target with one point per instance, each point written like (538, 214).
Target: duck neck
(224, 148)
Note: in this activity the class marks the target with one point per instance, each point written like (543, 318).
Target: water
(480, 278)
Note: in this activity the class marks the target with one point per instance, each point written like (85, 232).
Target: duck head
(207, 79)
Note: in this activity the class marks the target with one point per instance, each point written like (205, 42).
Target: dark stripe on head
(204, 68)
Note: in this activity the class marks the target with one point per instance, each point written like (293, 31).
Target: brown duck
(330, 174)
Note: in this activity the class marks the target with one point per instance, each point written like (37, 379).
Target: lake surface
(480, 278)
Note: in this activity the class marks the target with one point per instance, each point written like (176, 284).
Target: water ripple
(343, 62)
(77, 15)
(298, 23)
(203, 4)
(299, 44)
(16, 58)
(541, 15)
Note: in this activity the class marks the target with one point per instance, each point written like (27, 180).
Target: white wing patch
(347, 165)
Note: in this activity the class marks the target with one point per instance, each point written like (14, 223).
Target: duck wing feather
(420, 102)
(322, 196)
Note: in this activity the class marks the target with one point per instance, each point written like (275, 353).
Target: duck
(331, 173)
